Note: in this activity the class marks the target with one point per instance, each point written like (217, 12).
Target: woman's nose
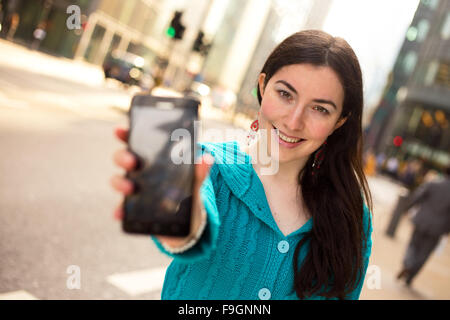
(296, 119)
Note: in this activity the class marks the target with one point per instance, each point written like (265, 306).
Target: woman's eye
(321, 109)
(284, 94)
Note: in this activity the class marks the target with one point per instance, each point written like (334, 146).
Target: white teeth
(287, 139)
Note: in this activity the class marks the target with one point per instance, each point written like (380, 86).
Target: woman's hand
(128, 161)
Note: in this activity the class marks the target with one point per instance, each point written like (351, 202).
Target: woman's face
(304, 102)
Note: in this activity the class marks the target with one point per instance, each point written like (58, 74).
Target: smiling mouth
(286, 138)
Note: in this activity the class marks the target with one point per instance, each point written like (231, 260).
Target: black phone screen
(162, 138)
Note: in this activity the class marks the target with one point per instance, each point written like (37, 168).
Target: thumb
(201, 172)
(202, 168)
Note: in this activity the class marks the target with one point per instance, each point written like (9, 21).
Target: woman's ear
(340, 123)
(261, 79)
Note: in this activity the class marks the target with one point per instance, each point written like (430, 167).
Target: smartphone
(162, 138)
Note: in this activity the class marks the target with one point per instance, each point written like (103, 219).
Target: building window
(419, 32)
(445, 30)
(92, 52)
(409, 62)
(431, 73)
(411, 34)
(414, 120)
(443, 74)
(441, 118)
(422, 30)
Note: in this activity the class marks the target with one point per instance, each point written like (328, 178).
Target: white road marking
(17, 295)
(139, 282)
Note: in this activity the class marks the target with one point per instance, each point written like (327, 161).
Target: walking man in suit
(431, 222)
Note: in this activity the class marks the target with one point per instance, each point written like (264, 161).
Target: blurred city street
(56, 135)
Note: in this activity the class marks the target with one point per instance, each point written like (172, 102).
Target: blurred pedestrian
(13, 27)
(302, 231)
(431, 175)
(431, 222)
(381, 162)
(392, 167)
(409, 175)
(39, 35)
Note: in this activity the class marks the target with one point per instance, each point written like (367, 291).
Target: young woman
(303, 231)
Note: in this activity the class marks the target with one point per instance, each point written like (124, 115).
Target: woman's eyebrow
(315, 100)
(326, 101)
(287, 85)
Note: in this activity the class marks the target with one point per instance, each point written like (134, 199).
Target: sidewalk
(432, 282)
(89, 74)
(90, 91)
(20, 57)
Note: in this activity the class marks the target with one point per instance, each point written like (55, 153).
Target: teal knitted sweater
(242, 254)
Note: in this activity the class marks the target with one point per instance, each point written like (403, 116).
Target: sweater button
(283, 246)
(264, 294)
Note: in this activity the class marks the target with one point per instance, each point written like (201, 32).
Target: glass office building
(412, 119)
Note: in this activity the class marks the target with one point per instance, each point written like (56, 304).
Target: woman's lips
(288, 144)
(284, 134)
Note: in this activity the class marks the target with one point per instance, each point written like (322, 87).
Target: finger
(201, 172)
(122, 184)
(121, 133)
(118, 212)
(202, 169)
(125, 159)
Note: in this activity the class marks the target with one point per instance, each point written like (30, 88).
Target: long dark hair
(333, 194)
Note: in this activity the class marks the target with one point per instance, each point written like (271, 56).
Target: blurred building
(240, 27)
(50, 16)
(123, 25)
(245, 34)
(412, 119)
(135, 26)
(240, 35)
(279, 24)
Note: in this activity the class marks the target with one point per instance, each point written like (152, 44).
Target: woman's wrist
(198, 224)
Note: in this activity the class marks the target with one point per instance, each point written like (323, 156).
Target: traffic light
(176, 28)
(200, 45)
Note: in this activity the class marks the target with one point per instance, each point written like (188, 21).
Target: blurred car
(127, 68)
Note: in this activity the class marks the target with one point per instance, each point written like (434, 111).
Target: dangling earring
(318, 158)
(252, 133)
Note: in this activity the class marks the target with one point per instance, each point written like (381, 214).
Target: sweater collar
(236, 168)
